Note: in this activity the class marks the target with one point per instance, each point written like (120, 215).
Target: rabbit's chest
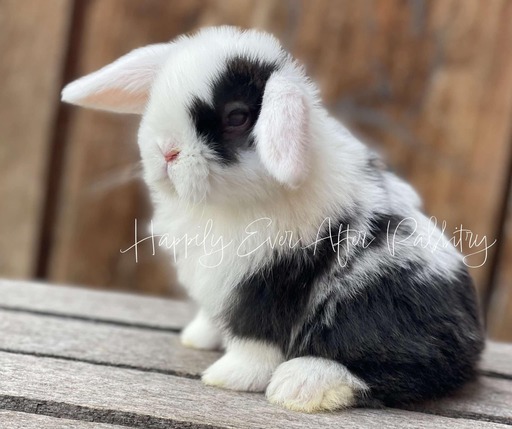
(212, 260)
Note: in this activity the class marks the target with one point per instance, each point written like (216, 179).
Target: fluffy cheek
(189, 175)
(247, 181)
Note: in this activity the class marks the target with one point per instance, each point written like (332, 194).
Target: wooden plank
(500, 307)
(144, 349)
(32, 42)
(17, 420)
(101, 343)
(113, 307)
(488, 398)
(427, 83)
(101, 393)
(161, 352)
(150, 312)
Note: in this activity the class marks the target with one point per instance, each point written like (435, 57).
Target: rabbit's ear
(282, 131)
(122, 86)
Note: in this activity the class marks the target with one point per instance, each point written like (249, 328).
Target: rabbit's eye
(236, 117)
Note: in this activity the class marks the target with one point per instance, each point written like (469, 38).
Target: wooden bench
(76, 358)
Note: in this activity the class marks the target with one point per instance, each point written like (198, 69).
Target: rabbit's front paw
(246, 366)
(201, 334)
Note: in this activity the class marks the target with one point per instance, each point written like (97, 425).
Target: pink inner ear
(122, 100)
(282, 131)
(122, 86)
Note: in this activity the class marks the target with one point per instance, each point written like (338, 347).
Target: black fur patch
(278, 295)
(243, 80)
(407, 338)
(380, 231)
(269, 303)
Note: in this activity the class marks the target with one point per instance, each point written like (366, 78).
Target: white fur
(201, 333)
(311, 384)
(247, 366)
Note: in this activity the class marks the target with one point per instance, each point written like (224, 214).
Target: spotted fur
(317, 266)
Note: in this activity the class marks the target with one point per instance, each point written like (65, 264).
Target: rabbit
(313, 266)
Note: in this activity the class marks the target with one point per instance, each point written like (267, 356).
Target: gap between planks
(100, 394)
(26, 420)
(119, 320)
(161, 353)
(148, 313)
(102, 306)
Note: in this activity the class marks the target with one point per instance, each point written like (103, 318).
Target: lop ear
(122, 86)
(282, 131)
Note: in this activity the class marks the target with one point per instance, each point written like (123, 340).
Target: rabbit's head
(226, 113)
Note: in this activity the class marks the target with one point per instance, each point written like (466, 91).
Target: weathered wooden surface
(142, 346)
(161, 353)
(489, 397)
(33, 39)
(98, 342)
(136, 395)
(497, 359)
(500, 307)
(17, 420)
(142, 312)
(79, 303)
(113, 367)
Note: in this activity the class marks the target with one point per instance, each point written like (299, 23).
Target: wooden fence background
(429, 83)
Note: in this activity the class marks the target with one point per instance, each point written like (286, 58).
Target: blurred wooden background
(428, 83)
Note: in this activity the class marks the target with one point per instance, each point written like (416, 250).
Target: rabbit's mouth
(185, 181)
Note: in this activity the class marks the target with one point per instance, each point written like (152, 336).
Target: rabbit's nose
(172, 155)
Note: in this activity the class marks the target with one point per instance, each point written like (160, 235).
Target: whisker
(117, 178)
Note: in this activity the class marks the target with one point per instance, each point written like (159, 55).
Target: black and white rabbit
(314, 266)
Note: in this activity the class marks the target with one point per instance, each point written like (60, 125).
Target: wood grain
(497, 358)
(114, 307)
(100, 393)
(148, 312)
(141, 346)
(500, 306)
(102, 343)
(33, 39)
(17, 420)
(487, 397)
(81, 358)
